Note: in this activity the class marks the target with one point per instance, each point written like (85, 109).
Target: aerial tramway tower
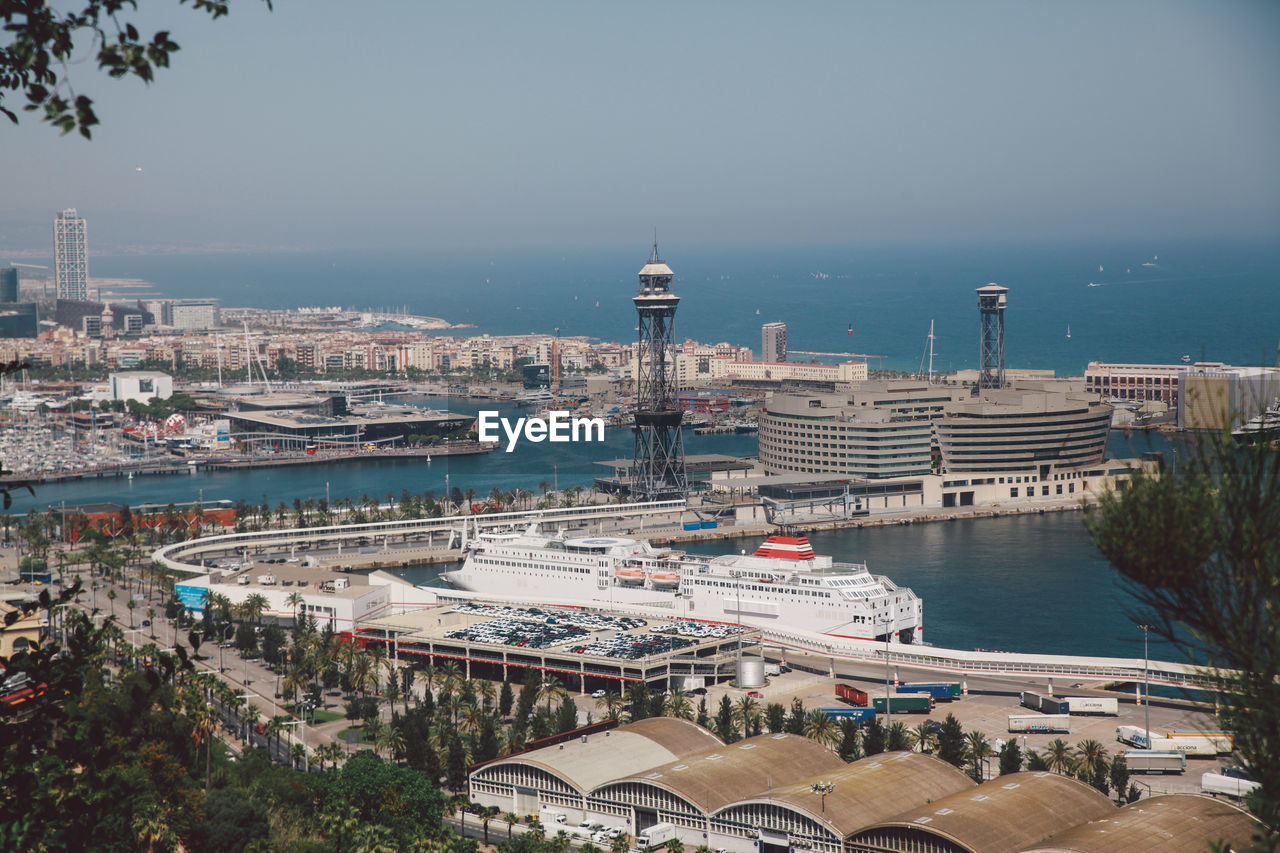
(658, 471)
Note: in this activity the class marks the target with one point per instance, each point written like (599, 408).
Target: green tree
(505, 699)
(850, 748)
(775, 717)
(371, 792)
(951, 744)
(1198, 545)
(795, 720)
(724, 726)
(1060, 757)
(873, 736)
(977, 750)
(1119, 774)
(1010, 757)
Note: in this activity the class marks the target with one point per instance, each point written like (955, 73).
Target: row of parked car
(583, 619)
(701, 630)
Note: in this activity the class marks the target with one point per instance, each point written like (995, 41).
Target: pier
(395, 542)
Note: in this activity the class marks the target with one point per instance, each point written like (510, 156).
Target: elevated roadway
(409, 540)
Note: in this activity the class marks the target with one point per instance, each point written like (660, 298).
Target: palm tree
(822, 727)
(612, 703)
(487, 693)
(1059, 755)
(677, 704)
(1092, 755)
(977, 748)
(921, 739)
(745, 712)
(295, 600)
(254, 606)
(550, 689)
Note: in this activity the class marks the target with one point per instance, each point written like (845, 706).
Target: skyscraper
(70, 256)
(773, 342)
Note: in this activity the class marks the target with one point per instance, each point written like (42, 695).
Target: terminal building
(875, 430)
(761, 795)
(293, 430)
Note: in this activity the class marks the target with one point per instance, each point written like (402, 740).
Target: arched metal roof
(866, 791)
(618, 752)
(1175, 823)
(1003, 815)
(714, 778)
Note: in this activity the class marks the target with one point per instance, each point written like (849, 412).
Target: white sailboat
(1068, 331)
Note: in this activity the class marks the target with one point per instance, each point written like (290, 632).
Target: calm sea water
(1216, 301)
(1032, 583)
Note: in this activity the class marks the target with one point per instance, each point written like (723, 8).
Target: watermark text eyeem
(557, 426)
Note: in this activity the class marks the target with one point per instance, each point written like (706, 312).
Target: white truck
(1093, 705)
(655, 837)
(1146, 761)
(1039, 723)
(1231, 781)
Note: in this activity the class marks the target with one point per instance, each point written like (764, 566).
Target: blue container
(709, 525)
(693, 525)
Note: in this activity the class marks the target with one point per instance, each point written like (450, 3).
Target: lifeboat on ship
(665, 579)
(629, 575)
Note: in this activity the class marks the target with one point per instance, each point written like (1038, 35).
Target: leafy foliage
(45, 41)
(1198, 545)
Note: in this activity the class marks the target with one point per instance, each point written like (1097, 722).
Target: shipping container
(1054, 705)
(852, 695)
(1093, 705)
(1197, 745)
(1146, 761)
(1039, 723)
(860, 715)
(904, 704)
(1225, 741)
(1027, 699)
(939, 690)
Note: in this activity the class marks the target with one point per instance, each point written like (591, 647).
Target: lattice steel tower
(658, 472)
(991, 304)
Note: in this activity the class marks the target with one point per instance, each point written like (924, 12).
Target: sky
(393, 124)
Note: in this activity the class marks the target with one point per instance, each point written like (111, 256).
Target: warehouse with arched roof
(1004, 815)
(687, 792)
(860, 794)
(562, 776)
(1175, 823)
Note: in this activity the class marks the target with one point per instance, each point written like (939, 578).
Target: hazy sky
(492, 124)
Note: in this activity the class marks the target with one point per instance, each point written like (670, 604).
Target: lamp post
(1146, 681)
(822, 789)
(306, 765)
(888, 703)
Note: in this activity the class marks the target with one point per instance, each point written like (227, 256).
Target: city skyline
(831, 123)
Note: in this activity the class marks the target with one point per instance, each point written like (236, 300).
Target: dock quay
(396, 540)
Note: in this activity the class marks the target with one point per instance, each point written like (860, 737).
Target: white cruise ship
(782, 585)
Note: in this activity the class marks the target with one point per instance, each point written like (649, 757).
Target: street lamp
(306, 766)
(1146, 680)
(888, 710)
(822, 789)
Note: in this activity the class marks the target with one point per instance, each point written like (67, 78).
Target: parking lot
(582, 632)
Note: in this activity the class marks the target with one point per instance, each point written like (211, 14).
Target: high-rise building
(773, 342)
(70, 256)
(9, 284)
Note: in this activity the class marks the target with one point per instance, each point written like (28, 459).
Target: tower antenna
(658, 471)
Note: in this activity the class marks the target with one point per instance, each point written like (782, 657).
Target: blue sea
(1040, 574)
(1149, 303)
